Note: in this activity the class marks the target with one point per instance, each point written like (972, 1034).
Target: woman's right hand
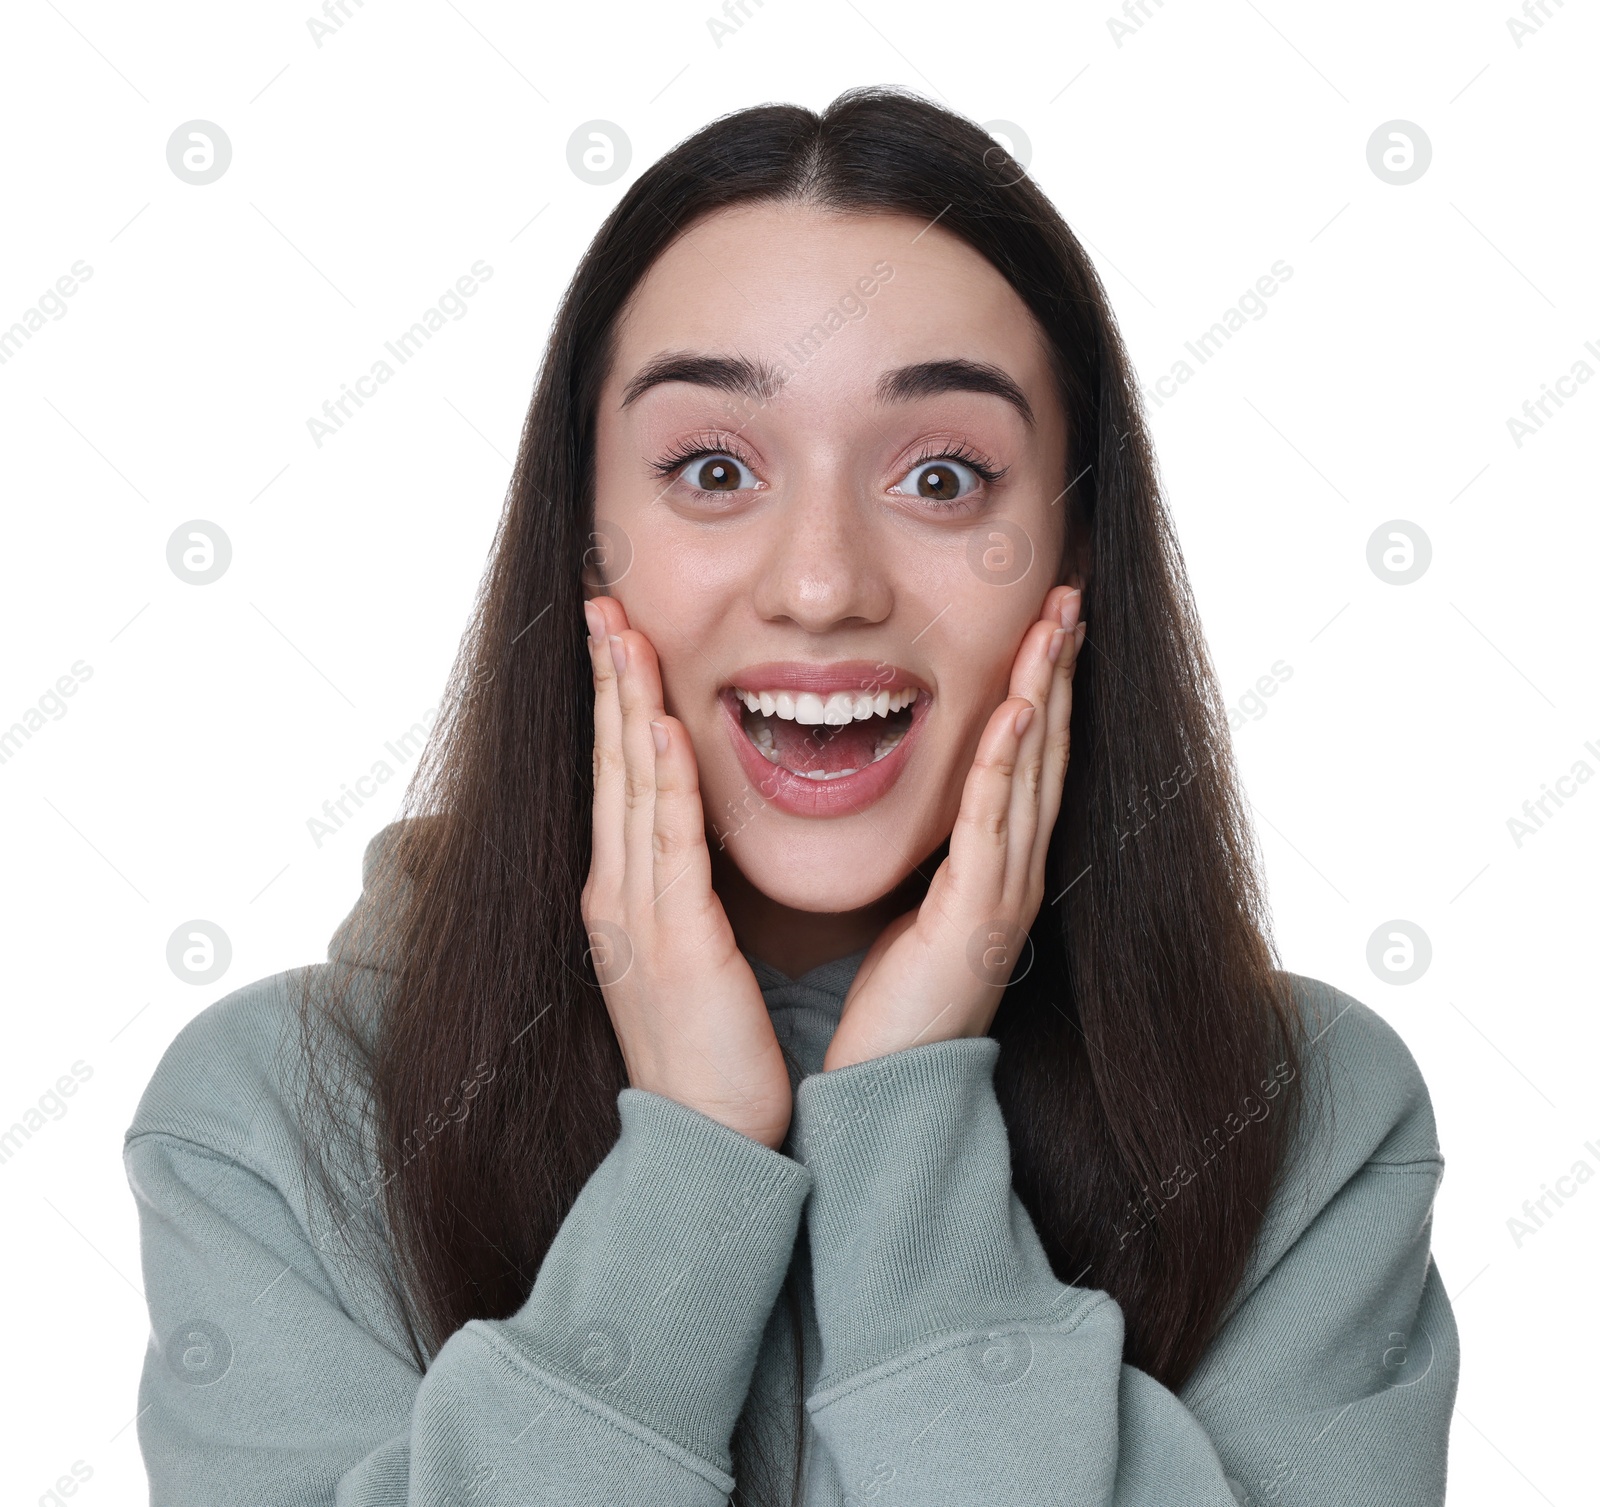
(686, 1008)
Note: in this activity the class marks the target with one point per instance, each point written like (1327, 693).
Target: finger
(1057, 735)
(980, 837)
(1031, 676)
(682, 863)
(639, 690)
(607, 863)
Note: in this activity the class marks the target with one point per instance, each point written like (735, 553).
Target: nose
(826, 562)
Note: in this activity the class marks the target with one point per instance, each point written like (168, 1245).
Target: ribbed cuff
(913, 1227)
(655, 1293)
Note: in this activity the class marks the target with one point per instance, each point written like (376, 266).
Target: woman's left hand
(937, 972)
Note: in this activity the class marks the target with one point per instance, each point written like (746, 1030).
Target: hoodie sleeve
(618, 1382)
(957, 1368)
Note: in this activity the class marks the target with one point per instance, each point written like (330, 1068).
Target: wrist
(849, 1050)
(766, 1129)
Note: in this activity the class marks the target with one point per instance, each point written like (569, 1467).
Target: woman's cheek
(955, 752)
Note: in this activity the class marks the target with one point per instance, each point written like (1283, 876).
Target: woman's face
(830, 463)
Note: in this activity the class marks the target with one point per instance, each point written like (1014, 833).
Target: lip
(794, 793)
(841, 675)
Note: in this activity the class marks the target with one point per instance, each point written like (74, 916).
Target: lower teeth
(761, 737)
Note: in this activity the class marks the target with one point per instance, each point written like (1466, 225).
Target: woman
(762, 1061)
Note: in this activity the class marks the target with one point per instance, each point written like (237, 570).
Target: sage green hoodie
(945, 1362)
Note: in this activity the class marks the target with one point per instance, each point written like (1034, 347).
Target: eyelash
(987, 473)
(699, 447)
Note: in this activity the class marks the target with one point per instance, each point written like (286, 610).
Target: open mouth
(828, 737)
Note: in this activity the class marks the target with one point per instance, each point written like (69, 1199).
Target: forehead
(757, 279)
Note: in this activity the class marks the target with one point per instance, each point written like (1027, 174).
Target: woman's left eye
(718, 473)
(941, 480)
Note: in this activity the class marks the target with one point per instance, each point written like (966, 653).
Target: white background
(370, 172)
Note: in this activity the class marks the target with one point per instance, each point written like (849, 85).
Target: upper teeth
(839, 708)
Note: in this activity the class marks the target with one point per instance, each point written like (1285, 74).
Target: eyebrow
(758, 379)
(928, 378)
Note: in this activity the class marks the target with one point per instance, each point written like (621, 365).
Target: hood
(358, 940)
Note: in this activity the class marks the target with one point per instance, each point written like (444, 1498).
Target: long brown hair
(1147, 1013)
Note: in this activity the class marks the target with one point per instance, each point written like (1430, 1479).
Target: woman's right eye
(718, 472)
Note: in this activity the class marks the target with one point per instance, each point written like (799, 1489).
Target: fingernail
(619, 654)
(1057, 638)
(1070, 604)
(1024, 717)
(659, 733)
(596, 621)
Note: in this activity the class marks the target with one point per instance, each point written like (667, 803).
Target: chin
(824, 869)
